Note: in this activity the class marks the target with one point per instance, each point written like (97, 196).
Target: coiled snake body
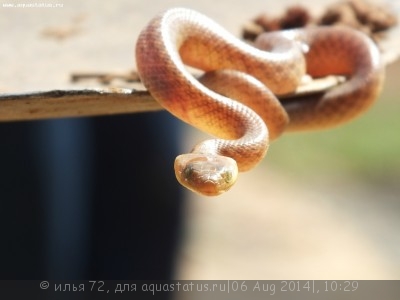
(251, 76)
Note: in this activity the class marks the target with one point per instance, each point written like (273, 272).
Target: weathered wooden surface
(74, 103)
(95, 102)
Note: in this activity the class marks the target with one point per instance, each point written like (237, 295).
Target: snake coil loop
(252, 76)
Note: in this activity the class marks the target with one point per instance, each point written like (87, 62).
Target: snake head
(208, 175)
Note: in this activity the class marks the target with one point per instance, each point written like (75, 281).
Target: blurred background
(97, 198)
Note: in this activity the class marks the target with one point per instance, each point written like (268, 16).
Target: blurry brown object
(370, 18)
(294, 17)
(60, 33)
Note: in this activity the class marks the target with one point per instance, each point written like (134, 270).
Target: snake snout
(208, 175)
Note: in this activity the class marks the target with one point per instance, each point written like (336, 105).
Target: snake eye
(227, 176)
(188, 171)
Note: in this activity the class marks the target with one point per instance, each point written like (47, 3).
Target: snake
(236, 98)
